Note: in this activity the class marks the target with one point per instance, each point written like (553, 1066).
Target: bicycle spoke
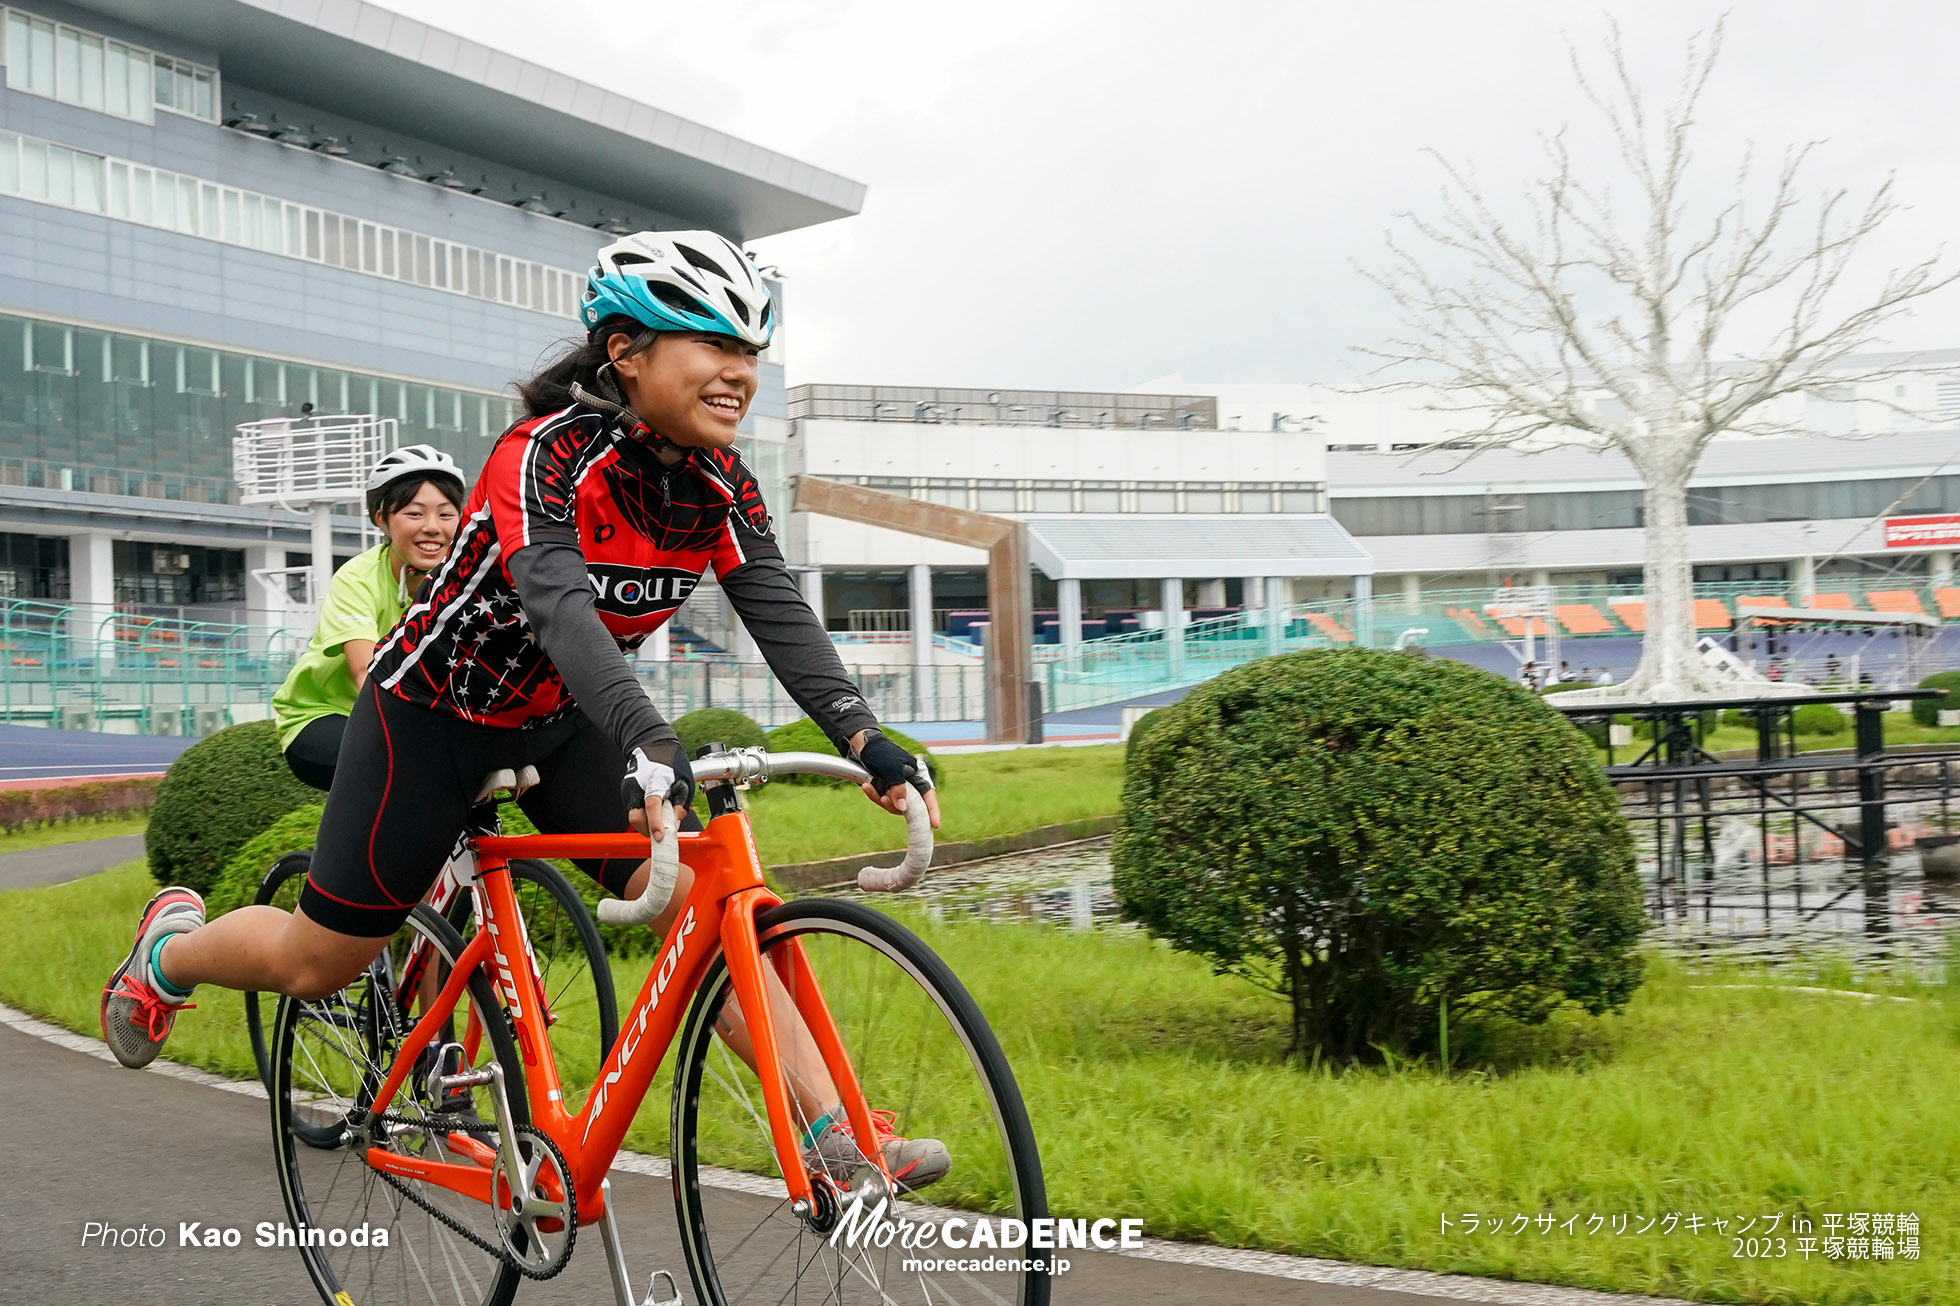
(918, 1049)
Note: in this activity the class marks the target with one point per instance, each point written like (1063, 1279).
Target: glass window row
(74, 66)
(1714, 505)
(983, 495)
(110, 413)
(133, 192)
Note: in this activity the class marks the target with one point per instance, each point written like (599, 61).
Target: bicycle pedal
(653, 1298)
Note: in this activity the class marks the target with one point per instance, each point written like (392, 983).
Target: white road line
(1304, 1269)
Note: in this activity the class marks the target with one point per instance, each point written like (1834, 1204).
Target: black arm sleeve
(550, 577)
(796, 646)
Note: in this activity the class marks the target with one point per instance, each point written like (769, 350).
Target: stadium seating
(1631, 612)
(1895, 601)
(1712, 614)
(1582, 619)
(1948, 599)
(1332, 629)
(1836, 602)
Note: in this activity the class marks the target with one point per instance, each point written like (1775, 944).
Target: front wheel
(922, 1051)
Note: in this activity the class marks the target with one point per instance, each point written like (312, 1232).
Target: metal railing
(85, 478)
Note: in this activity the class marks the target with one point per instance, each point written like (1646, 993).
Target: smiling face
(421, 531)
(691, 387)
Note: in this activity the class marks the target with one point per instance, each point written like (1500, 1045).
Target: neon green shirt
(364, 601)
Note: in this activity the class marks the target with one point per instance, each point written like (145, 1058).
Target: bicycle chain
(471, 1125)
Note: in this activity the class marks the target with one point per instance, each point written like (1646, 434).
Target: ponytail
(551, 389)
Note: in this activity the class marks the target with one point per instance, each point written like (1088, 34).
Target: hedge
(1141, 728)
(1926, 710)
(218, 794)
(717, 725)
(20, 808)
(1820, 719)
(1372, 836)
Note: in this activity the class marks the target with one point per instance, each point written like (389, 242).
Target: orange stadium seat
(1895, 601)
(1329, 627)
(1711, 614)
(1582, 619)
(1631, 612)
(1473, 624)
(1948, 599)
(1837, 602)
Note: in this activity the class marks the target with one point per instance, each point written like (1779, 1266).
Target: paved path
(128, 1149)
(67, 861)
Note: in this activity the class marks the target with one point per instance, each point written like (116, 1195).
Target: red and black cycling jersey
(575, 517)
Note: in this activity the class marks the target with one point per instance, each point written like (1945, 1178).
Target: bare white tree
(1611, 319)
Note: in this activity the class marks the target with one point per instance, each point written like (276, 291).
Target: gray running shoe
(913, 1162)
(136, 1015)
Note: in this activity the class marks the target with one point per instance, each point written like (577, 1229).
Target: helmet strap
(617, 410)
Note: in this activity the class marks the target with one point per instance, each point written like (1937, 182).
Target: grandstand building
(218, 211)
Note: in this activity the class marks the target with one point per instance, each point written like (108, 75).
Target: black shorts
(403, 789)
(315, 750)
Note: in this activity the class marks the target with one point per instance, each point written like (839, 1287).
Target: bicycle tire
(883, 985)
(291, 866)
(366, 1020)
(572, 914)
(551, 947)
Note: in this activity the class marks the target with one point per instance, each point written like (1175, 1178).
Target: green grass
(988, 794)
(1900, 729)
(72, 831)
(1160, 1091)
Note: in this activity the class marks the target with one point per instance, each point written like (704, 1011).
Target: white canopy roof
(1193, 546)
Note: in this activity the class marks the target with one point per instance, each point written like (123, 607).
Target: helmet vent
(675, 300)
(702, 261)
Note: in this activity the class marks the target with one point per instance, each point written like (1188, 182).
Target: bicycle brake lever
(664, 870)
(918, 852)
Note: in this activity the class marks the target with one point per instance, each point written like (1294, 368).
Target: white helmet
(680, 281)
(414, 460)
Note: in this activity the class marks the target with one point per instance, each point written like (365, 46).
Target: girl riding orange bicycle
(592, 521)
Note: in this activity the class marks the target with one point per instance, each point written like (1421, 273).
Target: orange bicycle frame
(718, 916)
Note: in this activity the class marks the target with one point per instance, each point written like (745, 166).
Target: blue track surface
(32, 753)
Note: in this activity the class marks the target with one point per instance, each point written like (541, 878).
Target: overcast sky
(1089, 194)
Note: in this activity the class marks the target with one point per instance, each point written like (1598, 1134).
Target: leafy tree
(1370, 835)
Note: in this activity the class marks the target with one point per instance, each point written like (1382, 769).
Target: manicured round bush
(1820, 719)
(1146, 723)
(219, 793)
(717, 725)
(1926, 710)
(805, 736)
(238, 883)
(1370, 835)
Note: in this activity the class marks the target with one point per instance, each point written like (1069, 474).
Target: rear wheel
(330, 1058)
(571, 959)
(922, 1050)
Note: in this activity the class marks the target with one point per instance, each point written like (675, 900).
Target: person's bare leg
(267, 950)
(809, 1080)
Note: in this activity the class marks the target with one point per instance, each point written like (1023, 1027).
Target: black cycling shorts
(315, 751)
(402, 792)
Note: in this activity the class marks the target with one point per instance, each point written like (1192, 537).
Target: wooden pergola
(1008, 651)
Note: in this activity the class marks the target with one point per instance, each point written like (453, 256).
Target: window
(1101, 496)
(186, 88)
(1204, 496)
(1156, 499)
(1053, 500)
(77, 67)
(55, 174)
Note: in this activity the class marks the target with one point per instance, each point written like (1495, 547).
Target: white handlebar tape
(661, 875)
(918, 852)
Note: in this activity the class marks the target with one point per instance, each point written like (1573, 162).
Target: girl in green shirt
(415, 496)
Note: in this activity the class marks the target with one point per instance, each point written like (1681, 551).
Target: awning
(1087, 546)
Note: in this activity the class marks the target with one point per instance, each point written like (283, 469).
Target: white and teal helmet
(679, 281)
